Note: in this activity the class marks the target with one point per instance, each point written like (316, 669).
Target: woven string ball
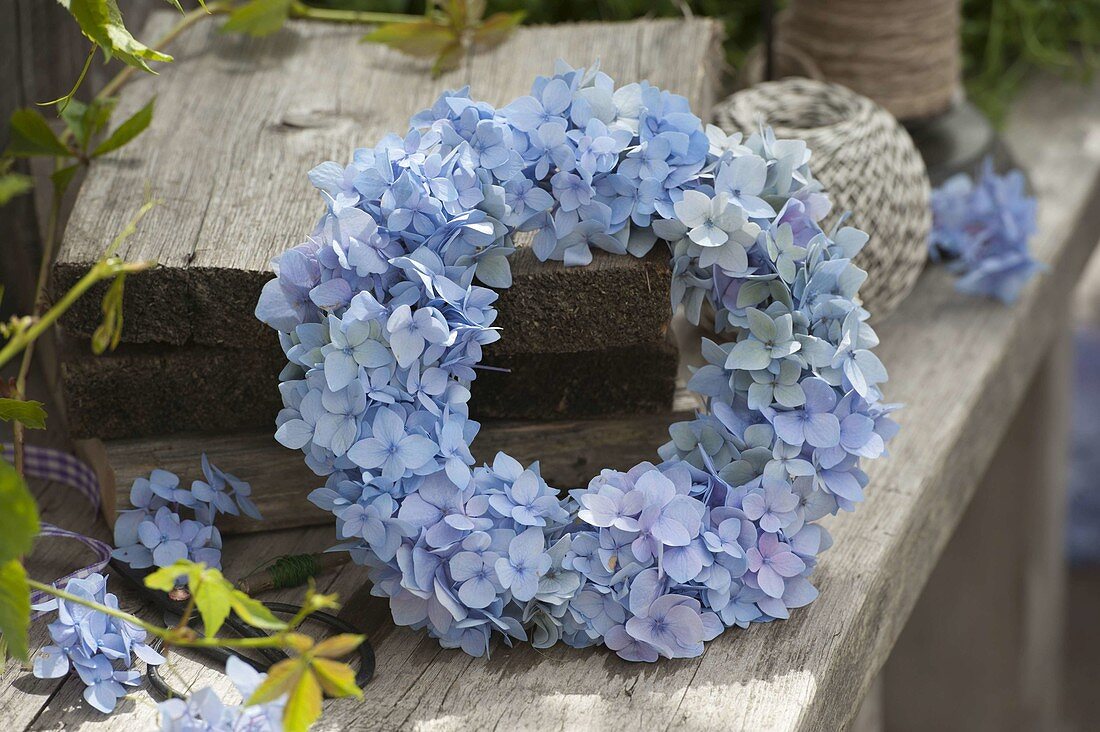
(865, 160)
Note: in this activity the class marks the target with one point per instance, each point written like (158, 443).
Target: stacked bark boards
(238, 123)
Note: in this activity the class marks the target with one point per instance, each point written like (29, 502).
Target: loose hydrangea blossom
(100, 648)
(384, 310)
(153, 533)
(982, 228)
(204, 711)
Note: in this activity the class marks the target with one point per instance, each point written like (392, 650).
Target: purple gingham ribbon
(61, 467)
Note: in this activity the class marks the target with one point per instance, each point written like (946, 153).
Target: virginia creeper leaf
(15, 607)
(258, 17)
(63, 177)
(212, 600)
(19, 517)
(254, 612)
(14, 184)
(281, 678)
(127, 131)
(31, 136)
(338, 646)
(423, 40)
(496, 28)
(303, 707)
(336, 679)
(28, 413)
(101, 21)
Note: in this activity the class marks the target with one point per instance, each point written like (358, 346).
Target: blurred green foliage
(741, 17)
(1001, 39)
(1004, 39)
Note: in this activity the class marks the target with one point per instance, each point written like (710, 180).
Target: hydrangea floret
(981, 228)
(205, 711)
(100, 648)
(153, 533)
(385, 309)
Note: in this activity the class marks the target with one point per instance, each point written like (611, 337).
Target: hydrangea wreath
(383, 326)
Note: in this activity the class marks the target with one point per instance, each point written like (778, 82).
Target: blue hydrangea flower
(204, 710)
(99, 647)
(384, 331)
(982, 227)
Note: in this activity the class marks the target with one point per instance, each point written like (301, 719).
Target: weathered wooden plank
(984, 640)
(312, 93)
(149, 390)
(570, 452)
(961, 365)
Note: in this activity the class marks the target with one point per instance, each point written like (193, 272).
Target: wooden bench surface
(240, 121)
(960, 365)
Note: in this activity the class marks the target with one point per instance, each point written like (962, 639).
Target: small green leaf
(496, 29)
(449, 58)
(423, 40)
(101, 21)
(281, 678)
(303, 707)
(175, 4)
(336, 679)
(127, 131)
(109, 333)
(32, 136)
(15, 608)
(84, 121)
(29, 413)
(14, 184)
(63, 177)
(212, 600)
(254, 612)
(19, 517)
(258, 17)
(338, 646)
(166, 579)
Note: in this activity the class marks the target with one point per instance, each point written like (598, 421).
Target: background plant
(82, 132)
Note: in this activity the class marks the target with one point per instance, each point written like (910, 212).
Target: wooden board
(570, 453)
(240, 121)
(961, 365)
(147, 390)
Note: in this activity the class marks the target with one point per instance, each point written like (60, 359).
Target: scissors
(174, 608)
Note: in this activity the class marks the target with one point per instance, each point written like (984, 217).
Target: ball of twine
(901, 53)
(867, 163)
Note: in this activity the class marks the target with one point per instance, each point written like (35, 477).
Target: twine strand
(900, 53)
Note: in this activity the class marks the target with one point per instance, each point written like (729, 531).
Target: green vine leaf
(15, 608)
(258, 17)
(85, 121)
(101, 21)
(127, 131)
(496, 29)
(109, 333)
(425, 39)
(303, 679)
(28, 413)
(62, 177)
(214, 596)
(14, 184)
(451, 28)
(31, 136)
(19, 517)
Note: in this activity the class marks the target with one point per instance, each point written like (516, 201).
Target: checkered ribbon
(61, 467)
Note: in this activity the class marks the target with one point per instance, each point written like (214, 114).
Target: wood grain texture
(962, 367)
(995, 664)
(148, 390)
(239, 121)
(570, 452)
